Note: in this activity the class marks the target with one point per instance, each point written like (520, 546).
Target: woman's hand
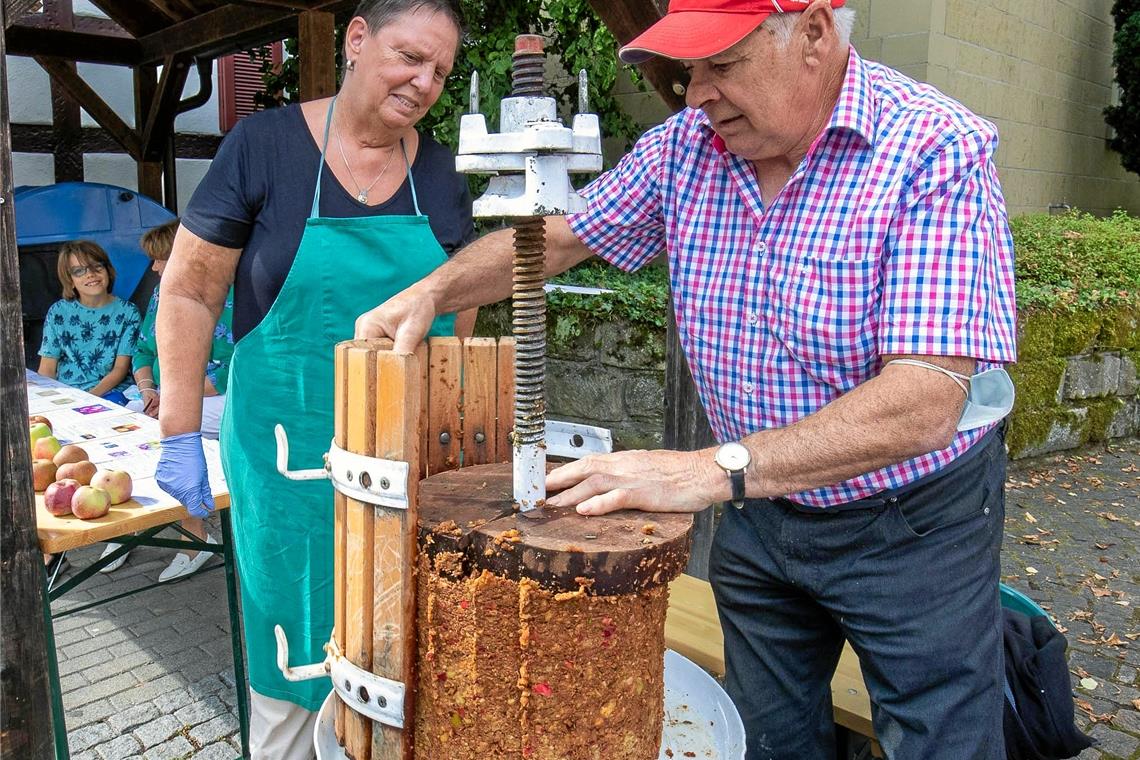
(150, 402)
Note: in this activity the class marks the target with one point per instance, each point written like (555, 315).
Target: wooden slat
(692, 629)
(398, 405)
(359, 526)
(340, 505)
(445, 363)
(505, 400)
(480, 436)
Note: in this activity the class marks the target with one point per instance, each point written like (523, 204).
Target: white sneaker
(182, 564)
(117, 563)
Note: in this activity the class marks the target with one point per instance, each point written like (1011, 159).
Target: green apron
(282, 372)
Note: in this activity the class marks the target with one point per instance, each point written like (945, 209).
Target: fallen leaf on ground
(1108, 516)
(1030, 518)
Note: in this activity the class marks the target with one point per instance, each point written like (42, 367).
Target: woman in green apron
(317, 213)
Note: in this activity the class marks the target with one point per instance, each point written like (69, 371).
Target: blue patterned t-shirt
(85, 341)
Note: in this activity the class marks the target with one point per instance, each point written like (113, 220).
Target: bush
(1076, 260)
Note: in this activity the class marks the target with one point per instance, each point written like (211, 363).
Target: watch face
(733, 456)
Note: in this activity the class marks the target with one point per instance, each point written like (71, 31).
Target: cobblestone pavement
(1072, 543)
(151, 676)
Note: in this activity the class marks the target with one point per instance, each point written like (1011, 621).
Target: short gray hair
(781, 24)
(380, 13)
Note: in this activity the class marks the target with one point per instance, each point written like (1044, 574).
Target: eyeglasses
(80, 271)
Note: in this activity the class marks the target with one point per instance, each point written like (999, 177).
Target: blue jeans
(909, 577)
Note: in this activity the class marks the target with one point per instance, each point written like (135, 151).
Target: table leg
(59, 719)
(240, 684)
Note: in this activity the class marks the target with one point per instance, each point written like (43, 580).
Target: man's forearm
(481, 273)
(902, 413)
(185, 328)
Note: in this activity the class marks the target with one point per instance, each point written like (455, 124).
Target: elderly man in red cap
(842, 276)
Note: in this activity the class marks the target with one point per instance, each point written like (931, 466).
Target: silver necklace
(362, 195)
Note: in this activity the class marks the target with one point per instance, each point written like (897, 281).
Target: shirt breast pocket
(825, 314)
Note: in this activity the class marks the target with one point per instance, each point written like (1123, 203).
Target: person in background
(313, 213)
(89, 335)
(842, 275)
(156, 244)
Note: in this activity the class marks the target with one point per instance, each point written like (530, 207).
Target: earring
(350, 64)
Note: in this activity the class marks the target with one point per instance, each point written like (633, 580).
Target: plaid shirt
(891, 237)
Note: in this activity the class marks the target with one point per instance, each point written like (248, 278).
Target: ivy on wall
(1125, 118)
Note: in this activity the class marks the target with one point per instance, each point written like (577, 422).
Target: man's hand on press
(654, 481)
(182, 473)
(405, 318)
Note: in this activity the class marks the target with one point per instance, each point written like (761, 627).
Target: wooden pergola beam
(316, 36)
(164, 106)
(628, 18)
(137, 18)
(228, 29)
(62, 72)
(14, 9)
(23, 39)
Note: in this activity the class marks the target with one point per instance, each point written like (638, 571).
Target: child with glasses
(89, 335)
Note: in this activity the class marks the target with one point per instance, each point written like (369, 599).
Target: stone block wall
(1076, 380)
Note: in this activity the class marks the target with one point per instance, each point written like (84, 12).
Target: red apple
(69, 453)
(90, 503)
(81, 471)
(116, 483)
(39, 419)
(58, 496)
(43, 473)
(45, 448)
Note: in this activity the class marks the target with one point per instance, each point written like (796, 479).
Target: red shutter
(239, 77)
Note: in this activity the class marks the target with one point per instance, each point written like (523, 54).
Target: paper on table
(113, 437)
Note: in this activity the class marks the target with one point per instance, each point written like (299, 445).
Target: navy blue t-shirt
(258, 193)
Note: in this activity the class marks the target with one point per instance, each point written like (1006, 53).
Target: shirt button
(748, 388)
(762, 247)
(753, 318)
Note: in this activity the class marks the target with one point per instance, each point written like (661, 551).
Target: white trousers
(279, 730)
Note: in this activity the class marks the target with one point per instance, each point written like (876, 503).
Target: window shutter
(239, 77)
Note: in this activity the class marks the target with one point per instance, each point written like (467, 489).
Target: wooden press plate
(470, 510)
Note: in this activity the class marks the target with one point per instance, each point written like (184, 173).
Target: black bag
(1038, 720)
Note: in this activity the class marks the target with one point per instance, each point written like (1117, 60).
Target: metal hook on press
(283, 459)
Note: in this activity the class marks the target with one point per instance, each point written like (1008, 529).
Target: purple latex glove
(182, 473)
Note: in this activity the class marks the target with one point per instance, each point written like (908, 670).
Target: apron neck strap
(321, 166)
(411, 179)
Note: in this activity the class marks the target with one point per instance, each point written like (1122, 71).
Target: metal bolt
(480, 437)
(385, 484)
(382, 701)
(444, 438)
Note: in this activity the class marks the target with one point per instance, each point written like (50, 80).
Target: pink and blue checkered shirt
(891, 237)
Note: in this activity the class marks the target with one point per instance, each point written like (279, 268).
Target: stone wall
(1077, 379)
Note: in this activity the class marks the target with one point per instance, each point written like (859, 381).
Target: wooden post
(25, 718)
(316, 47)
(687, 429)
(149, 171)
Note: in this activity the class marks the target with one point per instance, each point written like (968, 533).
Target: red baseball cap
(695, 29)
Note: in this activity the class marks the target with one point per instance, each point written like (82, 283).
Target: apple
(116, 483)
(36, 418)
(43, 473)
(46, 447)
(36, 431)
(90, 503)
(69, 453)
(58, 496)
(81, 471)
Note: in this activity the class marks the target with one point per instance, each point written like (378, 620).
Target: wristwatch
(734, 459)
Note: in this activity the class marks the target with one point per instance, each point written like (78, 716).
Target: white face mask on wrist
(989, 397)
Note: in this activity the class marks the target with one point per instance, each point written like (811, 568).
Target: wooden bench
(692, 629)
